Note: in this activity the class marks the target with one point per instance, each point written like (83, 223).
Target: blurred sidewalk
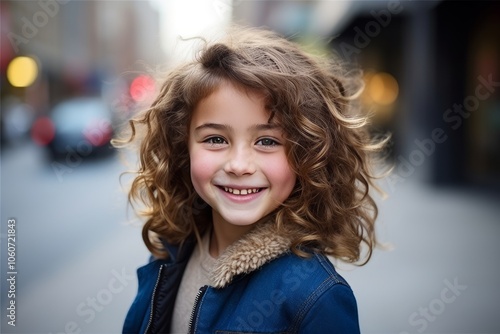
(442, 273)
(91, 294)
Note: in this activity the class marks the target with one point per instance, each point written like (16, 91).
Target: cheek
(281, 175)
(201, 169)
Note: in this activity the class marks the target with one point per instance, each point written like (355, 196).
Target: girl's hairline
(221, 80)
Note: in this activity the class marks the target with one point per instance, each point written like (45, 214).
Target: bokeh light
(142, 88)
(22, 71)
(381, 88)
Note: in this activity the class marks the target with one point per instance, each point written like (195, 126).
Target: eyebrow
(256, 127)
(215, 126)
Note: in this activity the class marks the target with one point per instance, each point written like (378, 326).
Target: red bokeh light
(43, 131)
(142, 88)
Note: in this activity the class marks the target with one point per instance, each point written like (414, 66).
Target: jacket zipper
(196, 307)
(153, 299)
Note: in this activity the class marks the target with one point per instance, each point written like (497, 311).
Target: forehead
(230, 104)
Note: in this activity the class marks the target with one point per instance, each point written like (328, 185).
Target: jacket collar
(179, 253)
(259, 246)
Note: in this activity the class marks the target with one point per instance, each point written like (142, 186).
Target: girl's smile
(238, 159)
(241, 195)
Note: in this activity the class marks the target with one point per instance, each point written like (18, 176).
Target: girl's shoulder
(299, 273)
(305, 290)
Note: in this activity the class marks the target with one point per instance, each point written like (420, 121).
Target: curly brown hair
(328, 147)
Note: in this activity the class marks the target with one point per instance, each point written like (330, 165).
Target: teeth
(242, 191)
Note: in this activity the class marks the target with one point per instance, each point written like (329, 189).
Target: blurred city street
(77, 255)
(72, 72)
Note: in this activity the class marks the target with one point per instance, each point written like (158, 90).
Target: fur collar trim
(251, 252)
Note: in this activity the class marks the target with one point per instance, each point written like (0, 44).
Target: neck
(225, 234)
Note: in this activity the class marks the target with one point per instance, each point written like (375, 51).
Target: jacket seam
(330, 269)
(312, 299)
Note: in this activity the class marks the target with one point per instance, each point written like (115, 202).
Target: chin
(240, 221)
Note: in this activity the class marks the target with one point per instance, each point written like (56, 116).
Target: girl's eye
(267, 142)
(215, 141)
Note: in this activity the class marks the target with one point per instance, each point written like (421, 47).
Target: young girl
(253, 168)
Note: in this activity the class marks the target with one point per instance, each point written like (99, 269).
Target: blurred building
(432, 75)
(79, 45)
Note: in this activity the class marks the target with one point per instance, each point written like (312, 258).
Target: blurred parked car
(76, 128)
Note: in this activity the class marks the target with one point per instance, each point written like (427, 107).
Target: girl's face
(238, 161)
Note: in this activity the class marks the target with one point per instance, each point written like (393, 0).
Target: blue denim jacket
(283, 293)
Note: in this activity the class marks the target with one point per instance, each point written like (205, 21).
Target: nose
(240, 162)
